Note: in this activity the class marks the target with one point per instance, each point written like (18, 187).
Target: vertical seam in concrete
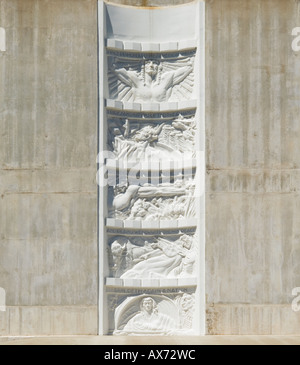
(98, 190)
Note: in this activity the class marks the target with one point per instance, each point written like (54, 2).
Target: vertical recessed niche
(151, 170)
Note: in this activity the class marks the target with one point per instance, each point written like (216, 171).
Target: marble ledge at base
(151, 283)
(151, 225)
(151, 107)
(150, 47)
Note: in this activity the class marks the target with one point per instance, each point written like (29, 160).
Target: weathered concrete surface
(44, 320)
(241, 319)
(253, 160)
(48, 148)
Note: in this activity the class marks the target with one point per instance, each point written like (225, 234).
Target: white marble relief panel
(150, 111)
(151, 80)
(153, 202)
(155, 315)
(135, 141)
(153, 257)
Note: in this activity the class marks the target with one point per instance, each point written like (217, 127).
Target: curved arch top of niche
(152, 25)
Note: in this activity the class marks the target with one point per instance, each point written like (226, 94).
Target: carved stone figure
(118, 255)
(125, 254)
(153, 202)
(158, 141)
(153, 82)
(139, 145)
(122, 201)
(163, 209)
(165, 259)
(148, 320)
(186, 304)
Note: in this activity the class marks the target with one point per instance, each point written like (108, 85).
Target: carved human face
(116, 249)
(151, 68)
(187, 302)
(186, 242)
(147, 305)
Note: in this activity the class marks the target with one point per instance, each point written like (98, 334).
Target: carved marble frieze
(155, 314)
(152, 202)
(153, 257)
(135, 141)
(151, 105)
(151, 80)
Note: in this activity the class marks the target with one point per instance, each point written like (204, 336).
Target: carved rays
(118, 90)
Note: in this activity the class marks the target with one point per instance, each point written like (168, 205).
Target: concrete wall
(253, 160)
(48, 147)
